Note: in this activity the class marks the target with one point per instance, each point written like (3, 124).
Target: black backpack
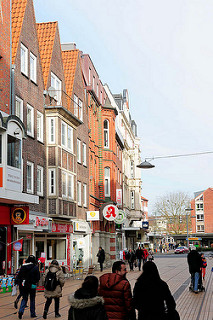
(50, 282)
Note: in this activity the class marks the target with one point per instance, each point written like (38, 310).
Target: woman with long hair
(152, 297)
(85, 303)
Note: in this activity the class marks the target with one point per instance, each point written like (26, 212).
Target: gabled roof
(70, 59)
(46, 36)
(18, 11)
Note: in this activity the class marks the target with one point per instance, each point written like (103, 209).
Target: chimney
(68, 46)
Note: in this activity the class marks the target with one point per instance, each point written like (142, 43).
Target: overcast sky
(162, 52)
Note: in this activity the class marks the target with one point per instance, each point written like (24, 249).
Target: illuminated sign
(110, 212)
(20, 215)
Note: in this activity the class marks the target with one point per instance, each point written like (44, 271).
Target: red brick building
(202, 218)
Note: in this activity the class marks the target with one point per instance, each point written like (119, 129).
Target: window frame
(107, 179)
(50, 172)
(24, 63)
(64, 174)
(76, 107)
(80, 106)
(132, 171)
(72, 186)
(41, 169)
(50, 133)
(31, 165)
(78, 150)
(84, 195)
(20, 115)
(84, 154)
(54, 81)
(30, 133)
(40, 129)
(132, 199)
(79, 200)
(106, 134)
(199, 226)
(33, 73)
(64, 124)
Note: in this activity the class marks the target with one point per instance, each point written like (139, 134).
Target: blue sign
(145, 224)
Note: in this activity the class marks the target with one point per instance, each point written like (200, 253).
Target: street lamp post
(187, 224)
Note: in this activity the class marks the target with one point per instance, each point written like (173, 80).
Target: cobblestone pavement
(173, 270)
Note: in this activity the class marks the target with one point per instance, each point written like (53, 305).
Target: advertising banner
(119, 197)
(20, 215)
(62, 228)
(110, 212)
(93, 216)
(120, 217)
(17, 245)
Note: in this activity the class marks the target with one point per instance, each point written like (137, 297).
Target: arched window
(107, 181)
(106, 134)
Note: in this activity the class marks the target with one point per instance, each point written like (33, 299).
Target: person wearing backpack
(53, 283)
(28, 278)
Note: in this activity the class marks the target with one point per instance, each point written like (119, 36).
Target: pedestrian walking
(28, 278)
(101, 257)
(195, 267)
(144, 255)
(85, 304)
(131, 259)
(204, 265)
(152, 297)
(53, 283)
(139, 256)
(116, 291)
(150, 255)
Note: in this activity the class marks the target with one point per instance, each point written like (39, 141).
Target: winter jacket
(29, 274)
(194, 261)
(150, 300)
(139, 254)
(145, 253)
(131, 257)
(57, 293)
(101, 256)
(117, 295)
(85, 307)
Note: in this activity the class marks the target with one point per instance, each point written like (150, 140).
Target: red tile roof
(70, 59)
(46, 37)
(18, 11)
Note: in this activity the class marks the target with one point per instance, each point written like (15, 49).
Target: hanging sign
(93, 216)
(110, 212)
(17, 245)
(119, 197)
(145, 224)
(20, 215)
(120, 217)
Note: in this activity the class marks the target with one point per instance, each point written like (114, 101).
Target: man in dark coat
(116, 291)
(139, 256)
(28, 277)
(101, 257)
(195, 264)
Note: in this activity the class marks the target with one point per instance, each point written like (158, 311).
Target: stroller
(201, 288)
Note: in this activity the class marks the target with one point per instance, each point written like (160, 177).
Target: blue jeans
(139, 264)
(195, 278)
(32, 293)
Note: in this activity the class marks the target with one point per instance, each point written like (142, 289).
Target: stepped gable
(70, 59)
(18, 12)
(46, 36)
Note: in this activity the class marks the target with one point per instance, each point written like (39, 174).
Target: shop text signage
(119, 197)
(41, 222)
(120, 217)
(93, 216)
(110, 212)
(13, 179)
(194, 239)
(80, 226)
(62, 228)
(20, 215)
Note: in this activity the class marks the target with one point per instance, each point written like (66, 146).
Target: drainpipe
(12, 90)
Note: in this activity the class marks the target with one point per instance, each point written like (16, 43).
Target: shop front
(81, 244)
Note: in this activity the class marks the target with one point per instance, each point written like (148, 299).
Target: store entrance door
(39, 248)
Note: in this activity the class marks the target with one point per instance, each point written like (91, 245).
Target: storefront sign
(41, 222)
(13, 179)
(145, 224)
(62, 227)
(119, 197)
(17, 245)
(194, 239)
(120, 217)
(81, 243)
(80, 226)
(68, 251)
(20, 215)
(93, 216)
(110, 212)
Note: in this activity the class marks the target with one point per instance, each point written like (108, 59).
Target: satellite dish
(51, 92)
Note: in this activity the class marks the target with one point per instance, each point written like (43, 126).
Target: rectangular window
(19, 108)
(80, 104)
(13, 152)
(64, 184)
(84, 195)
(30, 120)
(89, 76)
(199, 206)
(107, 181)
(93, 83)
(30, 179)
(79, 150)
(70, 138)
(40, 126)
(79, 193)
(24, 59)
(63, 134)
(33, 67)
(132, 194)
(200, 217)
(97, 90)
(56, 84)
(70, 186)
(200, 228)
(75, 105)
(51, 130)
(132, 169)
(52, 182)
(84, 146)
(40, 175)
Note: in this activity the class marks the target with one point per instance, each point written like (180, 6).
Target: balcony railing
(57, 98)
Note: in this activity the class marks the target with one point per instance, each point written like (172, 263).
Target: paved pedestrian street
(173, 269)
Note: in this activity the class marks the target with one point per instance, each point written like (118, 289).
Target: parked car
(181, 250)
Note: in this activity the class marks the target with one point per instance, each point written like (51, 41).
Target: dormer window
(106, 134)
(56, 84)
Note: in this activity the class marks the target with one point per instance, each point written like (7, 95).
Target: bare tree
(172, 207)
